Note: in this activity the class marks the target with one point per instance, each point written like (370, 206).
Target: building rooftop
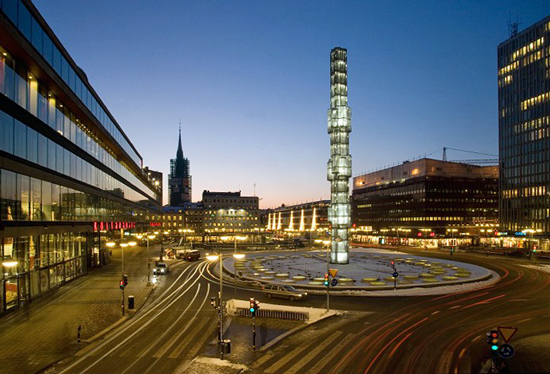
(423, 167)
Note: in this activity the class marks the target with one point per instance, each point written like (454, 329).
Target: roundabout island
(368, 270)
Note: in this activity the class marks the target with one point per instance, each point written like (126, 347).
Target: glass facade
(18, 13)
(524, 129)
(17, 83)
(63, 180)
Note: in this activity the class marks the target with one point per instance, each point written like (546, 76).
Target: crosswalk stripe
(314, 352)
(200, 324)
(259, 362)
(316, 369)
(199, 342)
(286, 358)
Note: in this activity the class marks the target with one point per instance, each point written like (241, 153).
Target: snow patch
(212, 365)
(543, 268)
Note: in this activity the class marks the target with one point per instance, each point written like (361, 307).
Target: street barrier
(280, 314)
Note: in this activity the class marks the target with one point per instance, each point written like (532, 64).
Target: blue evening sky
(250, 82)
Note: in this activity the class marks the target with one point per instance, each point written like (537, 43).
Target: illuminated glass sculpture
(339, 165)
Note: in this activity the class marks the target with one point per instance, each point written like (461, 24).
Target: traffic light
(326, 279)
(214, 302)
(256, 304)
(392, 262)
(492, 339)
(125, 279)
(121, 283)
(253, 306)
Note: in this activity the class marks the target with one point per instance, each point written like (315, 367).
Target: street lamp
(452, 239)
(531, 245)
(213, 258)
(148, 262)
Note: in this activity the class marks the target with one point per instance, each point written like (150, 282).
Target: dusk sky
(250, 82)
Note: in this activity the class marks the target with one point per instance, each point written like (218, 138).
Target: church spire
(179, 153)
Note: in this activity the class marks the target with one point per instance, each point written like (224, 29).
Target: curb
(293, 331)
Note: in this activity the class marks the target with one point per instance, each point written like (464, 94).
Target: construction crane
(471, 161)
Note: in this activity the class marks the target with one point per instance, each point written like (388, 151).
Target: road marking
(477, 338)
(314, 352)
(437, 311)
(198, 345)
(316, 369)
(262, 360)
(199, 327)
(525, 320)
(175, 338)
(286, 358)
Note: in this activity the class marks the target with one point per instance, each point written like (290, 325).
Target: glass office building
(68, 174)
(524, 130)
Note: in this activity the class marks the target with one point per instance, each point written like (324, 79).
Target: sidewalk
(45, 331)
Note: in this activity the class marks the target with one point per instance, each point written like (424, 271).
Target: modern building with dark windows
(426, 199)
(69, 176)
(524, 131)
(179, 182)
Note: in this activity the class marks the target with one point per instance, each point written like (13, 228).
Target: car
(283, 292)
(161, 269)
(192, 255)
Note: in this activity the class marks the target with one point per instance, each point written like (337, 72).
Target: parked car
(161, 269)
(284, 292)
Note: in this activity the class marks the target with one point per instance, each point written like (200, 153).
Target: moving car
(193, 255)
(161, 269)
(284, 292)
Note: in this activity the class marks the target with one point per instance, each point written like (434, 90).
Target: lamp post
(531, 245)
(213, 258)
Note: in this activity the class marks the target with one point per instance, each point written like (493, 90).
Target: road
(428, 334)
(437, 334)
(163, 335)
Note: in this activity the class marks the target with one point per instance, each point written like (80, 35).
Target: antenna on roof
(513, 27)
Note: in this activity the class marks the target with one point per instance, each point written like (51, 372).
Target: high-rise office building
(524, 129)
(179, 184)
(69, 175)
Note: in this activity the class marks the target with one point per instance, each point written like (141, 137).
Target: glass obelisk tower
(339, 165)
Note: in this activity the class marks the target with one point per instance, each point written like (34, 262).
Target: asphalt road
(427, 334)
(162, 337)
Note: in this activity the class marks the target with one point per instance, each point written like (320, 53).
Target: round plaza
(368, 269)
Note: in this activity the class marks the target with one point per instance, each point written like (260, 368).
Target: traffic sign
(333, 272)
(506, 351)
(395, 274)
(507, 332)
(334, 282)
